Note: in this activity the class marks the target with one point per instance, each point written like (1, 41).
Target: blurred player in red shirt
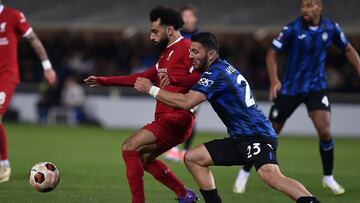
(171, 126)
(13, 26)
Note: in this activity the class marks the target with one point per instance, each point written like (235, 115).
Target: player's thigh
(6, 92)
(171, 130)
(321, 120)
(319, 109)
(142, 140)
(283, 107)
(269, 173)
(226, 152)
(198, 155)
(261, 150)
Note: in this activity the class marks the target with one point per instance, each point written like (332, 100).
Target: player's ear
(212, 54)
(170, 30)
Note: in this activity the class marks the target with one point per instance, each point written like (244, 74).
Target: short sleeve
(210, 83)
(21, 25)
(283, 39)
(339, 38)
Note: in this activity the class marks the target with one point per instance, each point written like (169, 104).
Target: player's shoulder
(11, 11)
(184, 43)
(329, 24)
(221, 66)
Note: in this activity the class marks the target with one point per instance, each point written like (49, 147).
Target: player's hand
(164, 79)
(274, 89)
(50, 76)
(142, 85)
(93, 81)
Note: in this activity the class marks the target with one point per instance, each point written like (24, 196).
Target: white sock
(5, 163)
(330, 180)
(242, 175)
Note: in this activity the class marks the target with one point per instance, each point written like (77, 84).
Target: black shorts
(257, 150)
(285, 105)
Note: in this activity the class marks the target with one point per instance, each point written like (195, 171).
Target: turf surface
(92, 170)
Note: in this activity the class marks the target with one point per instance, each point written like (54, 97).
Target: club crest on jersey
(2, 27)
(205, 82)
(325, 36)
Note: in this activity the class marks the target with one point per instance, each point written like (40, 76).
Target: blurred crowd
(78, 54)
(83, 53)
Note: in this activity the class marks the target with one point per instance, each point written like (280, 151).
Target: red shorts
(171, 129)
(6, 92)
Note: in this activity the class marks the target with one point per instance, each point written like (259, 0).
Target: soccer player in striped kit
(305, 41)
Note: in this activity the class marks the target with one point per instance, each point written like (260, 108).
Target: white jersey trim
(1, 8)
(176, 41)
(28, 32)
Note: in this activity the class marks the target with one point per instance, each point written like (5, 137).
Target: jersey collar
(307, 27)
(176, 41)
(1, 8)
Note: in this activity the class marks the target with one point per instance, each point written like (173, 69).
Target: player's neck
(315, 22)
(173, 38)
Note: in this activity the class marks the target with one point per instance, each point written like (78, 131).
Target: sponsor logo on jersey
(205, 82)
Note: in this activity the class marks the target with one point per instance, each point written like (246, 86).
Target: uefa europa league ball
(44, 177)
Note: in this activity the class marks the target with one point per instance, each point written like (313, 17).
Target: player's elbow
(185, 105)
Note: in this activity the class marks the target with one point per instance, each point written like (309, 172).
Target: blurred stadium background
(110, 37)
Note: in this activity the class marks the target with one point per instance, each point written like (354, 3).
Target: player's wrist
(46, 64)
(154, 91)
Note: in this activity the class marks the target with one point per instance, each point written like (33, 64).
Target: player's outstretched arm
(127, 80)
(272, 68)
(353, 57)
(49, 73)
(183, 101)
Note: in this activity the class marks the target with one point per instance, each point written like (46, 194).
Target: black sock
(247, 167)
(211, 196)
(327, 156)
(307, 199)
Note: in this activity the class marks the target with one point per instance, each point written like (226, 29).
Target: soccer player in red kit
(13, 25)
(171, 126)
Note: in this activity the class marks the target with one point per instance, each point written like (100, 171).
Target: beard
(203, 64)
(162, 44)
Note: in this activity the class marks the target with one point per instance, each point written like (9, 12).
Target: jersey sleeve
(209, 84)
(22, 27)
(129, 80)
(283, 39)
(339, 38)
(185, 80)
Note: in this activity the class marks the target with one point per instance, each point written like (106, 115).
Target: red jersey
(174, 61)
(13, 25)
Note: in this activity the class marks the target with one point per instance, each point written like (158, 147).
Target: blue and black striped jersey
(230, 96)
(306, 53)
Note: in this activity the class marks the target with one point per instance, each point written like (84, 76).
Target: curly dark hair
(167, 16)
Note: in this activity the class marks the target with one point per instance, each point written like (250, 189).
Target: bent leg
(197, 161)
(142, 140)
(270, 174)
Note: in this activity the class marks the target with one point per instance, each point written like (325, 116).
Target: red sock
(163, 174)
(134, 173)
(3, 144)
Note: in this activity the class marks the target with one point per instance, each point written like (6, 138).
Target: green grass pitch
(92, 169)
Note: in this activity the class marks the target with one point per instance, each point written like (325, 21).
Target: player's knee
(269, 175)
(324, 133)
(128, 145)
